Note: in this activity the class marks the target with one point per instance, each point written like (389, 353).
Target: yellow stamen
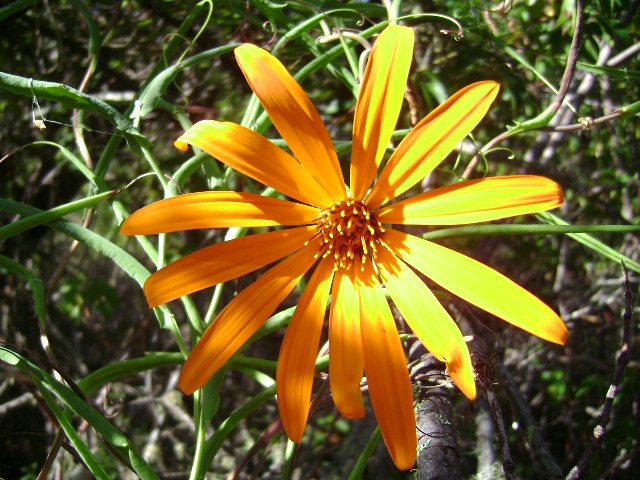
(350, 231)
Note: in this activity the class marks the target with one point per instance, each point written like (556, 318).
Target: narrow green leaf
(214, 443)
(72, 434)
(95, 38)
(208, 55)
(80, 407)
(621, 73)
(174, 43)
(100, 244)
(79, 164)
(211, 395)
(155, 88)
(116, 371)
(150, 96)
(46, 216)
(15, 7)
(511, 229)
(73, 98)
(9, 357)
(592, 243)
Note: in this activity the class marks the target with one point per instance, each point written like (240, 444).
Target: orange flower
(346, 233)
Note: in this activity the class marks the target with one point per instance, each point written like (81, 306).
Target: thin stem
(622, 361)
(367, 451)
(201, 429)
(545, 117)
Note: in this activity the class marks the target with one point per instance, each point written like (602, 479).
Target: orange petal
(432, 140)
(242, 317)
(296, 363)
(476, 201)
(478, 284)
(255, 156)
(428, 319)
(221, 262)
(379, 104)
(346, 361)
(216, 210)
(293, 115)
(387, 376)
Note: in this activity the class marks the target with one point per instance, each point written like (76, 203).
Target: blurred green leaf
(36, 284)
(14, 7)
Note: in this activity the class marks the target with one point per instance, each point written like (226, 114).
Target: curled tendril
(457, 34)
(268, 27)
(340, 33)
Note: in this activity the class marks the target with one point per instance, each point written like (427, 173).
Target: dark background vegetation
(96, 315)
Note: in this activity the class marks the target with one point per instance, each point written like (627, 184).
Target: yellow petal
(293, 115)
(255, 156)
(379, 104)
(221, 262)
(476, 201)
(216, 210)
(346, 361)
(478, 284)
(428, 319)
(432, 140)
(242, 317)
(296, 363)
(387, 376)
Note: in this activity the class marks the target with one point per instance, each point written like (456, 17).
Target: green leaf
(15, 7)
(116, 371)
(79, 164)
(72, 434)
(554, 225)
(537, 229)
(593, 243)
(214, 443)
(95, 38)
(100, 244)
(621, 73)
(47, 383)
(32, 221)
(72, 98)
(9, 357)
(154, 90)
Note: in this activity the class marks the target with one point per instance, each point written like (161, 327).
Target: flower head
(349, 236)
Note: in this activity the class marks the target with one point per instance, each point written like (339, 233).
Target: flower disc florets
(349, 231)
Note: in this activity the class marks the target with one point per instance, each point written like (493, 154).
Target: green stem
(214, 443)
(201, 429)
(358, 468)
(116, 371)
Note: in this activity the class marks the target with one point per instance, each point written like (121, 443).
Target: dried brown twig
(579, 470)
(523, 413)
(557, 102)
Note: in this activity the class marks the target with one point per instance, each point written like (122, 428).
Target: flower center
(349, 231)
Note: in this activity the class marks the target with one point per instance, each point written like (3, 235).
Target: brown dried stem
(580, 469)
